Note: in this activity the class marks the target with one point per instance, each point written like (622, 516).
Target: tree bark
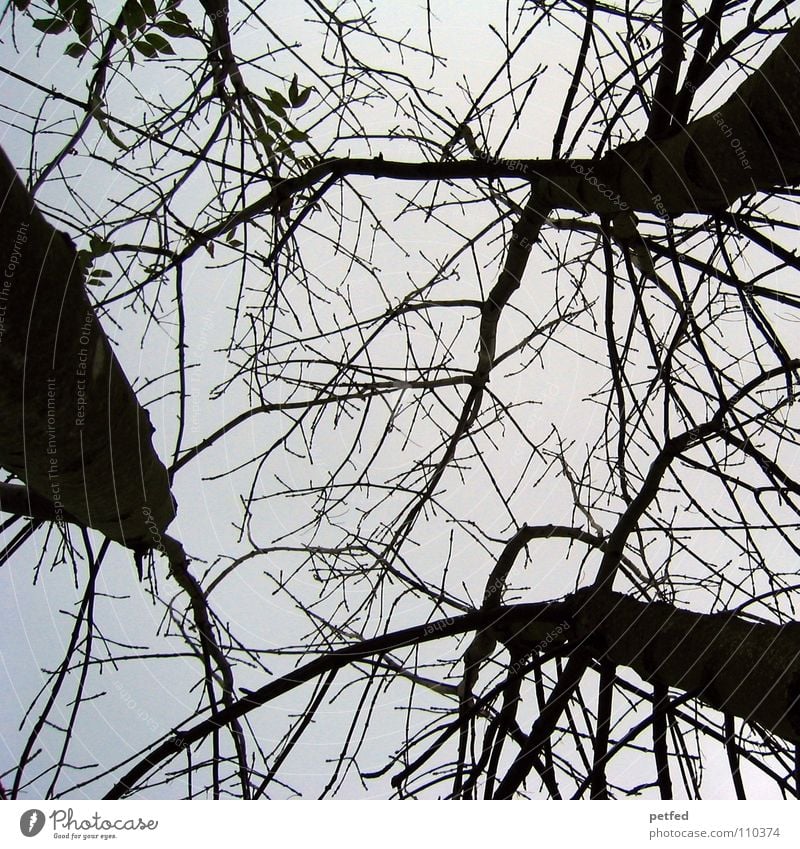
(746, 668)
(70, 424)
(751, 143)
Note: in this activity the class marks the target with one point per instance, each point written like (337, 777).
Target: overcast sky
(145, 699)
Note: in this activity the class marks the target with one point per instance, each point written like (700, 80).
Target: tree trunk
(751, 143)
(70, 424)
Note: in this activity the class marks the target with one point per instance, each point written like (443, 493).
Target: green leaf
(100, 272)
(75, 50)
(119, 34)
(110, 133)
(99, 246)
(134, 16)
(234, 243)
(277, 98)
(22, 5)
(149, 8)
(301, 98)
(174, 29)
(145, 48)
(50, 26)
(66, 7)
(160, 43)
(82, 21)
(296, 135)
(265, 138)
(179, 17)
(293, 90)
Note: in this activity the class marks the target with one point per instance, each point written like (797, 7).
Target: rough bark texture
(749, 669)
(70, 424)
(751, 143)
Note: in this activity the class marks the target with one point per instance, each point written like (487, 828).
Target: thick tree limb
(18, 499)
(748, 669)
(751, 143)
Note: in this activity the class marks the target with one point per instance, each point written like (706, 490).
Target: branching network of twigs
(485, 476)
